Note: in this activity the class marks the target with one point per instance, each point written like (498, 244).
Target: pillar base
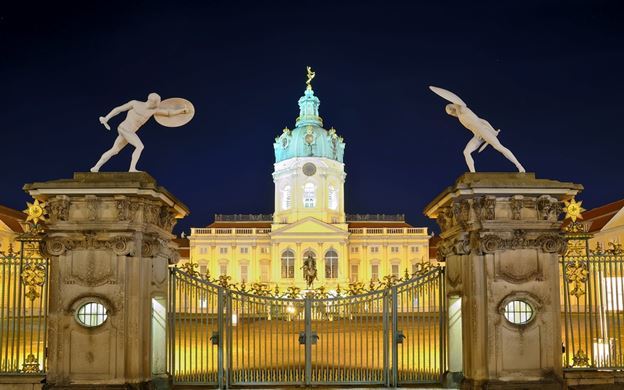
(543, 384)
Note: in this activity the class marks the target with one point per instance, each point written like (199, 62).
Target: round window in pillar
(91, 314)
(519, 312)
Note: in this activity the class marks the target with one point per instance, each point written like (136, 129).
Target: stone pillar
(110, 243)
(501, 241)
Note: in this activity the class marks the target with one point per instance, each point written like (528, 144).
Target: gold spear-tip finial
(310, 77)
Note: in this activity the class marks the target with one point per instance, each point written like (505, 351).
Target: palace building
(309, 220)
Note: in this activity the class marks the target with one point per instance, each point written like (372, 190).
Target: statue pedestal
(501, 241)
(110, 243)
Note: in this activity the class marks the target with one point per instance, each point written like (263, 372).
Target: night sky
(549, 74)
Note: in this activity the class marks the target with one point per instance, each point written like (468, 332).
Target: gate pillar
(109, 241)
(501, 242)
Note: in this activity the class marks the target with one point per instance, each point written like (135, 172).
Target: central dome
(309, 138)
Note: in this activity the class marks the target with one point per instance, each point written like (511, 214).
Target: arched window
(309, 195)
(286, 198)
(288, 264)
(332, 198)
(331, 264)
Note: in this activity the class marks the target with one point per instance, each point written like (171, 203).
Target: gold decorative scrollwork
(576, 275)
(31, 364)
(33, 276)
(580, 359)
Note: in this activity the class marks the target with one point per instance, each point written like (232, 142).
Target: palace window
(309, 196)
(355, 249)
(518, 312)
(223, 269)
(223, 250)
(354, 273)
(415, 249)
(333, 198)
(394, 249)
(331, 264)
(244, 273)
(375, 272)
(203, 268)
(264, 272)
(374, 249)
(203, 250)
(286, 198)
(264, 250)
(395, 270)
(288, 264)
(244, 250)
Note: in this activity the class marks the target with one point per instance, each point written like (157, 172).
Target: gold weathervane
(310, 77)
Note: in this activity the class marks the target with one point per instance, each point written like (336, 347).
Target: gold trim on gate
(31, 364)
(576, 274)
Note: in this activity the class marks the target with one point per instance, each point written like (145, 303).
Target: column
(110, 244)
(501, 241)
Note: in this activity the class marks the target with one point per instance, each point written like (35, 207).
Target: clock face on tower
(309, 169)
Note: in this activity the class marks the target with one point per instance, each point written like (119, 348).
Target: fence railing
(23, 308)
(224, 337)
(593, 306)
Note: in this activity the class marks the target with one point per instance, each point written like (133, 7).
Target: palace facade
(309, 219)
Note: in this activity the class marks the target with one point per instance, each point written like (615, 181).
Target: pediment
(308, 225)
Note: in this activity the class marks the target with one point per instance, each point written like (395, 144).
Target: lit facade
(309, 218)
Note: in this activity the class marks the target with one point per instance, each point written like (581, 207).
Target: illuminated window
(202, 269)
(264, 250)
(288, 264)
(244, 272)
(203, 250)
(264, 272)
(394, 249)
(333, 198)
(286, 198)
(223, 269)
(223, 250)
(614, 293)
(374, 249)
(91, 314)
(395, 270)
(375, 272)
(518, 312)
(331, 264)
(415, 249)
(244, 250)
(355, 249)
(309, 195)
(354, 273)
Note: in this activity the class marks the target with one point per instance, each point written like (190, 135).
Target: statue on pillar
(484, 133)
(172, 112)
(309, 270)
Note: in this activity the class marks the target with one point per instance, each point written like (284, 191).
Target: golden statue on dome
(311, 75)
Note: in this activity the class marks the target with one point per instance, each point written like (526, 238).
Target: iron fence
(593, 305)
(23, 308)
(222, 337)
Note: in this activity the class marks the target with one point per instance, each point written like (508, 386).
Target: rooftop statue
(484, 133)
(172, 112)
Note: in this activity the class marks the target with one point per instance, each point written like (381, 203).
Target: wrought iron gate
(23, 307)
(222, 335)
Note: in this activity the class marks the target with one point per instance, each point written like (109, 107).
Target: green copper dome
(309, 138)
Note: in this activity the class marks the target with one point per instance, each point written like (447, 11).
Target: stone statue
(484, 133)
(138, 114)
(309, 269)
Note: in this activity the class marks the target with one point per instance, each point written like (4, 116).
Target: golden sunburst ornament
(35, 212)
(573, 209)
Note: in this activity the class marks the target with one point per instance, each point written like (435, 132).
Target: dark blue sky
(549, 74)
